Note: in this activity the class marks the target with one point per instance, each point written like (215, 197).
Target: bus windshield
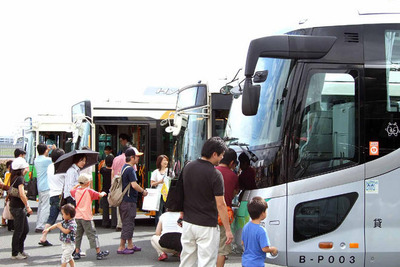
(81, 135)
(264, 127)
(30, 146)
(191, 139)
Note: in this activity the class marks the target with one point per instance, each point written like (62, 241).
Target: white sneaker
(18, 257)
(25, 254)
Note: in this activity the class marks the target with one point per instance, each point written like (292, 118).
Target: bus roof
(379, 14)
(153, 107)
(48, 122)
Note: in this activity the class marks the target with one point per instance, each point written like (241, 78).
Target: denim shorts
(54, 209)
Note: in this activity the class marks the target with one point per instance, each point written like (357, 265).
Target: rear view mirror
(250, 98)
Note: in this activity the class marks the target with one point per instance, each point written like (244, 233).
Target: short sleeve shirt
(41, 164)
(70, 225)
(117, 164)
(129, 176)
(231, 183)
(16, 202)
(84, 202)
(201, 184)
(169, 222)
(254, 239)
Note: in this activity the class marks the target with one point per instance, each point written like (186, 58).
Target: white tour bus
(321, 109)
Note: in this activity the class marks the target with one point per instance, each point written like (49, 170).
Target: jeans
(21, 230)
(54, 209)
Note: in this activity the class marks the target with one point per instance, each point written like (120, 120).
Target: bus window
(327, 128)
(392, 48)
(321, 216)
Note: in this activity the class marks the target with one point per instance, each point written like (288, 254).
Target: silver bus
(320, 114)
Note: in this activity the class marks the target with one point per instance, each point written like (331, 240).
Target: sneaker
(105, 253)
(77, 256)
(25, 254)
(18, 257)
(162, 257)
(102, 254)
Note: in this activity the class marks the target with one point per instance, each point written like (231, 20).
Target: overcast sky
(56, 53)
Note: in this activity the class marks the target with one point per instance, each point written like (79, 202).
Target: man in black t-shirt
(203, 201)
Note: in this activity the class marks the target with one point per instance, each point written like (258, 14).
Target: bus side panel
(331, 216)
(275, 223)
(382, 220)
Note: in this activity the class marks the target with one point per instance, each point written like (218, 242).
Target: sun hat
(84, 178)
(19, 163)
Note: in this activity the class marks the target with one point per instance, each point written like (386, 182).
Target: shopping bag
(6, 212)
(152, 200)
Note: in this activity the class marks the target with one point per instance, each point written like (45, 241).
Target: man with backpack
(128, 204)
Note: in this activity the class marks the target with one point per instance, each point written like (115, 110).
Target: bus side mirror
(250, 98)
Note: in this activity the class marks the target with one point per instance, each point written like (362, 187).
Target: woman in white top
(168, 235)
(158, 178)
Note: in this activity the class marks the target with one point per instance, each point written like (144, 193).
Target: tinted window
(321, 216)
(392, 48)
(327, 128)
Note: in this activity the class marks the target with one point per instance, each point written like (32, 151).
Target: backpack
(116, 194)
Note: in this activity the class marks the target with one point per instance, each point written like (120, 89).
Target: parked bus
(99, 124)
(321, 119)
(201, 112)
(45, 128)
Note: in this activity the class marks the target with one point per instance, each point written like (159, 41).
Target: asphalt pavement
(109, 240)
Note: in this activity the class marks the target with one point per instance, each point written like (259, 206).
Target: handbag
(12, 191)
(32, 189)
(6, 212)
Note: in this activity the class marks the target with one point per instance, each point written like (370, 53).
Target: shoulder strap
(128, 186)
(124, 170)
(15, 181)
(80, 198)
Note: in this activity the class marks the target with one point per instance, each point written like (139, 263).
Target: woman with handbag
(19, 208)
(159, 177)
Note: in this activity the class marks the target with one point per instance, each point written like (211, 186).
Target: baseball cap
(132, 151)
(19, 163)
(84, 178)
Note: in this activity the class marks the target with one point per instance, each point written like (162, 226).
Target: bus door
(139, 133)
(325, 214)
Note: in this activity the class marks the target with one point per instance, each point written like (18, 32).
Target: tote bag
(6, 212)
(152, 200)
